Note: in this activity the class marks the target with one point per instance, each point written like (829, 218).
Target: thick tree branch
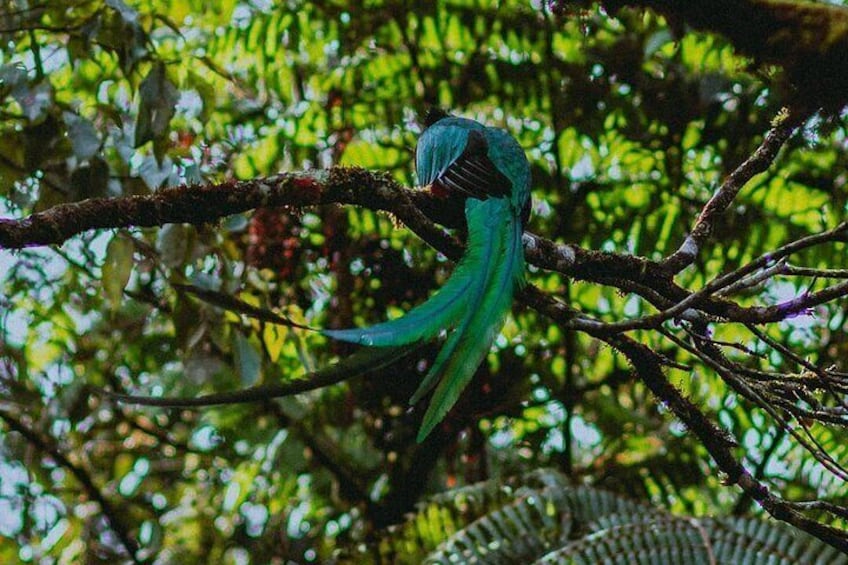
(716, 441)
(206, 203)
(197, 204)
(809, 40)
(648, 366)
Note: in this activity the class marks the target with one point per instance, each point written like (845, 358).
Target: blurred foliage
(629, 123)
(541, 518)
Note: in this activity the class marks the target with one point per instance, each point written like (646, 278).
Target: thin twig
(758, 162)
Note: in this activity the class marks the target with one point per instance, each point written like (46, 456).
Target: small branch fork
(757, 163)
(797, 403)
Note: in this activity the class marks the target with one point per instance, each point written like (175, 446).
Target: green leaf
(117, 269)
(12, 76)
(120, 31)
(205, 90)
(172, 244)
(657, 40)
(192, 174)
(128, 14)
(84, 139)
(247, 359)
(155, 174)
(158, 98)
(34, 100)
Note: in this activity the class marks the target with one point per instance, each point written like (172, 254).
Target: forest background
(682, 342)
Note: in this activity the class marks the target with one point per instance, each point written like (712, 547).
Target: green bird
(488, 167)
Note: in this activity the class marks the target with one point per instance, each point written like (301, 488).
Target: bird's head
(433, 115)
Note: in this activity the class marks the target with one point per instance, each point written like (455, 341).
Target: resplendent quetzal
(488, 166)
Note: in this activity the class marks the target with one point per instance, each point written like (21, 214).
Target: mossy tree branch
(808, 40)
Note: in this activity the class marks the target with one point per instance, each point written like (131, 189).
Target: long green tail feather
(484, 247)
(425, 321)
(468, 345)
(364, 361)
(445, 309)
(489, 167)
(435, 153)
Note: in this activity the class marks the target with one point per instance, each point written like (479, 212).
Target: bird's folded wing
(473, 174)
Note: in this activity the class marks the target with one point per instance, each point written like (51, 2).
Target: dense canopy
(681, 343)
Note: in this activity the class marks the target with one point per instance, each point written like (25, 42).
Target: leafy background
(630, 123)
